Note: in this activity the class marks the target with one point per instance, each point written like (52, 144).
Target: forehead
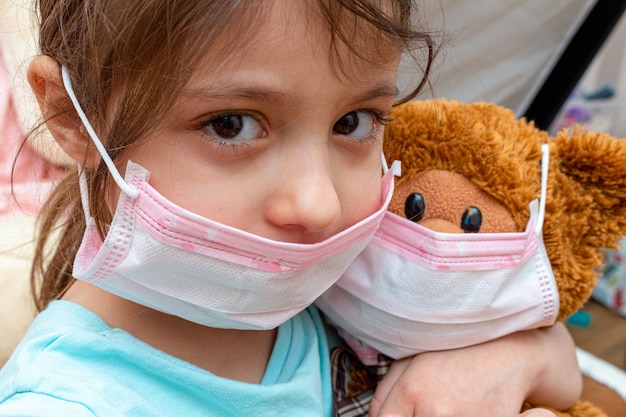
(275, 31)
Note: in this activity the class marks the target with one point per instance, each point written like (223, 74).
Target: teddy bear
(474, 168)
(465, 159)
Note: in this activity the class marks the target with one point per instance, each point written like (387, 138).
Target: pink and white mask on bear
(414, 290)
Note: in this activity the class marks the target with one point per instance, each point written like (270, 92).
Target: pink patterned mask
(167, 258)
(414, 290)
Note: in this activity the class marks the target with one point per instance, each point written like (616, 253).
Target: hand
(537, 412)
(490, 379)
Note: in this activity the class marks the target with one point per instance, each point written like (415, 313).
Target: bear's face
(459, 156)
(445, 201)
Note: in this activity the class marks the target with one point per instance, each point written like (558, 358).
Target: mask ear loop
(84, 192)
(545, 166)
(127, 189)
(395, 166)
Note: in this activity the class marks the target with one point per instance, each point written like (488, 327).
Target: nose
(305, 198)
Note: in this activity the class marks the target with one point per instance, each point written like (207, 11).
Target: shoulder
(57, 334)
(68, 359)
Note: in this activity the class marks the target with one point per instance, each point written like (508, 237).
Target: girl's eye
(233, 127)
(358, 124)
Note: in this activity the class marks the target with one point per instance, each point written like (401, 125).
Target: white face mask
(414, 290)
(169, 259)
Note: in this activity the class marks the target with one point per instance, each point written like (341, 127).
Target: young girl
(229, 160)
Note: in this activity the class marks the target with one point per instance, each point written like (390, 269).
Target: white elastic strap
(84, 192)
(395, 166)
(127, 189)
(545, 166)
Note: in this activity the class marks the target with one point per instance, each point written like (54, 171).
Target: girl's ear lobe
(44, 77)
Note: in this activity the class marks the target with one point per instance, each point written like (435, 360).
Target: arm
(490, 379)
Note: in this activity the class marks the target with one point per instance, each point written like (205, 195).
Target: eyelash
(204, 123)
(381, 119)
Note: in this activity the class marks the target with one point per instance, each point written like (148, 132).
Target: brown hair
(143, 52)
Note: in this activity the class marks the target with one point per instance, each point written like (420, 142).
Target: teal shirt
(72, 364)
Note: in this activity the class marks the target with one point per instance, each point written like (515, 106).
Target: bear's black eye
(471, 220)
(414, 207)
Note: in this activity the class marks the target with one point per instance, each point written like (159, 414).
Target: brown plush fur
(499, 158)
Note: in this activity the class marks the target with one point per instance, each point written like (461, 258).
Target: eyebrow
(377, 91)
(271, 96)
(250, 93)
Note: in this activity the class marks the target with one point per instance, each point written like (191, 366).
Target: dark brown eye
(471, 220)
(414, 207)
(347, 124)
(228, 126)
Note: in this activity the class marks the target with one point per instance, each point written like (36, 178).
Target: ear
(44, 77)
(585, 210)
(597, 163)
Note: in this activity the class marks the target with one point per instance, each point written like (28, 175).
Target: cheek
(360, 185)
(361, 197)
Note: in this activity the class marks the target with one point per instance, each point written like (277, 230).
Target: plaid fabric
(354, 383)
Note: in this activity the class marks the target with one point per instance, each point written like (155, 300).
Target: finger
(385, 387)
(537, 412)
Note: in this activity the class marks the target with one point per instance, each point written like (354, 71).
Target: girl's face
(272, 140)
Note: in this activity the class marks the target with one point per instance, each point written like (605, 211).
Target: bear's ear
(585, 209)
(597, 163)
